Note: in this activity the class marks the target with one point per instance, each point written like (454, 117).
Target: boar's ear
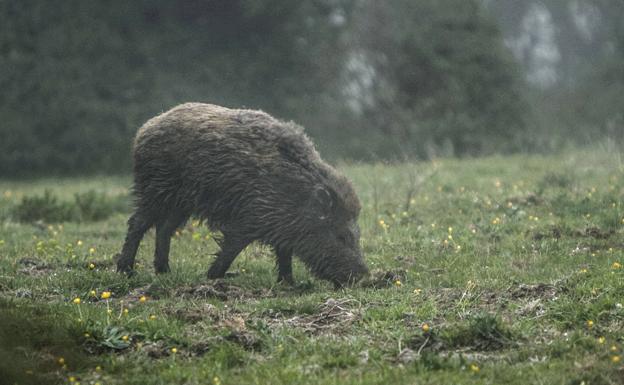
(323, 200)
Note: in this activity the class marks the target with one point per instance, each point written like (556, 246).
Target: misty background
(369, 80)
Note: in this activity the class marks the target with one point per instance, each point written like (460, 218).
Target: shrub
(86, 207)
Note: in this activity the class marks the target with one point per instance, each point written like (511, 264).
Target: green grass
(484, 271)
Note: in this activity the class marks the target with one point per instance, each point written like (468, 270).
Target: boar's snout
(352, 275)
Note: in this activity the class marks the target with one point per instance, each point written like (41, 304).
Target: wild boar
(249, 176)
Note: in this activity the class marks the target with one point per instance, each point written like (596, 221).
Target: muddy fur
(251, 177)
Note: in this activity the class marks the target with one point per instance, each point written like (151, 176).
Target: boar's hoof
(123, 266)
(215, 274)
(286, 280)
(160, 269)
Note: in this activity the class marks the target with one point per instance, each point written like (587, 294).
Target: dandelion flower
(613, 348)
(79, 242)
(125, 311)
(91, 250)
(417, 291)
(92, 293)
(616, 265)
(474, 368)
(398, 283)
(174, 350)
(98, 368)
(216, 380)
(615, 359)
(125, 338)
(601, 340)
(142, 299)
(72, 379)
(152, 317)
(106, 295)
(61, 361)
(76, 300)
(91, 266)
(425, 328)
(590, 324)
(87, 335)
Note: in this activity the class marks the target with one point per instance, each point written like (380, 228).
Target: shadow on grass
(32, 340)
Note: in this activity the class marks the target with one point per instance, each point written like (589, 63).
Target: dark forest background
(369, 80)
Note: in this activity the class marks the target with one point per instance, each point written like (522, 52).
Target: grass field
(486, 271)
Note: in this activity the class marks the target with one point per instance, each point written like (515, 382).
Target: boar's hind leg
(164, 231)
(231, 245)
(284, 266)
(138, 224)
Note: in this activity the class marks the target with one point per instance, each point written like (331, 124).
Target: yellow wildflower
(152, 317)
(590, 324)
(398, 283)
(174, 350)
(105, 294)
(91, 250)
(601, 340)
(142, 299)
(616, 265)
(79, 242)
(76, 300)
(92, 293)
(425, 327)
(474, 368)
(125, 338)
(91, 266)
(61, 361)
(615, 359)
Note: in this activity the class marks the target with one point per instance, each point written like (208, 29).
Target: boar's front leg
(284, 266)
(231, 246)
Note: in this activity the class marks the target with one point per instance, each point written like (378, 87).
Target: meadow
(483, 271)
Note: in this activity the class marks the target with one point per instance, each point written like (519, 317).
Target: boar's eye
(323, 199)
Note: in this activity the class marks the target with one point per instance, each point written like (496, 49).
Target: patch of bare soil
(381, 279)
(526, 200)
(33, 267)
(222, 290)
(333, 316)
(553, 233)
(537, 291)
(593, 232)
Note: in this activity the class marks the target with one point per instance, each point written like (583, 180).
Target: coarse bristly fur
(251, 177)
